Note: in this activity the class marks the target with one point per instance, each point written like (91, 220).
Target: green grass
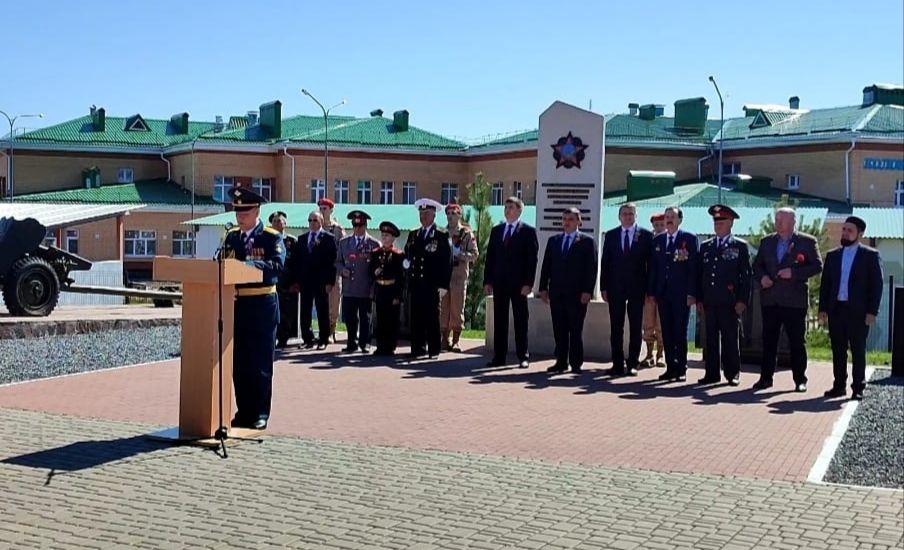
(824, 353)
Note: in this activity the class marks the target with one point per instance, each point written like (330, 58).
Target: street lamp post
(12, 136)
(721, 129)
(326, 153)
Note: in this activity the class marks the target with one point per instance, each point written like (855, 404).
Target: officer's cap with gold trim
(428, 204)
(722, 212)
(358, 217)
(245, 199)
(389, 227)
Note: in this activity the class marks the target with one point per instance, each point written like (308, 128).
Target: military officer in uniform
(387, 269)
(724, 292)
(428, 254)
(288, 298)
(256, 309)
(353, 263)
(464, 252)
(332, 226)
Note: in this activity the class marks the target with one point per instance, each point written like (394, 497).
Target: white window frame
(221, 187)
(318, 190)
(72, 236)
(387, 192)
(185, 242)
(448, 192)
(125, 175)
(899, 194)
(143, 243)
(518, 189)
(497, 193)
(792, 181)
(340, 192)
(263, 187)
(409, 192)
(364, 191)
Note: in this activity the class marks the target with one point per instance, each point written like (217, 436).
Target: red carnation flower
(800, 258)
(353, 257)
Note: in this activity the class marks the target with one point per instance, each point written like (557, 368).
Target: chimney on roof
(271, 119)
(179, 123)
(252, 118)
(98, 118)
(400, 121)
(376, 113)
(632, 108)
(218, 123)
(794, 102)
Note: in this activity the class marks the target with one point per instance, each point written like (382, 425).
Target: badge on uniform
(730, 253)
(431, 247)
(406, 264)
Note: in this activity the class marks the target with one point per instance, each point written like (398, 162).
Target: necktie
(311, 242)
(423, 233)
(508, 234)
(566, 243)
(671, 246)
(626, 243)
(357, 242)
(246, 241)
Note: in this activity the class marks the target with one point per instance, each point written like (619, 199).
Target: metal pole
(9, 166)
(721, 129)
(326, 134)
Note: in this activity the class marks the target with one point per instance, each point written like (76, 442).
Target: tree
(478, 218)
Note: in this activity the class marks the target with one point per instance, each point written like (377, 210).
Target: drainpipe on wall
(169, 168)
(700, 165)
(847, 171)
(286, 152)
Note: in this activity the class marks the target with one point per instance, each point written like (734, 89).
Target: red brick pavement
(458, 404)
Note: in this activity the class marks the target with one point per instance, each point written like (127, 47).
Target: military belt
(256, 291)
(385, 282)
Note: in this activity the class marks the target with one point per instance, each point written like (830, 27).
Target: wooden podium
(199, 380)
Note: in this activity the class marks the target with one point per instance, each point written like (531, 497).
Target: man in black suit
(849, 298)
(566, 284)
(623, 283)
(313, 271)
(509, 275)
(784, 262)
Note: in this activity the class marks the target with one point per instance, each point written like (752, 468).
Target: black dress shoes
(239, 423)
(556, 369)
(706, 380)
(835, 392)
(308, 345)
(734, 380)
(667, 376)
(857, 396)
(632, 371)
(762, 384)
(321, 345)
(349, 349)
(800, 388)
(259, 424)
(616, 371)
(523, 364)
(576, 370)
(496, 363)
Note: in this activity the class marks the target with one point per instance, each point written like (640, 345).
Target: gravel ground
(29, 358)
(872, 450)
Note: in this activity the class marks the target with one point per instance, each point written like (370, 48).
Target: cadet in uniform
(331, 225)
(428, 255)
(464, 251)
(353, 263)
(387, 270)
(256, 309)
(288, 298)
(724, 292)
(652, 332)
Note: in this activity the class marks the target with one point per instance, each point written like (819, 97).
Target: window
(141, 243)
(518, 189)
(50, 238)
(899, 194)
(263, 187)
(387, 192)
(124, 175)
(496, 198)
(793, 181)
(364, 191)
(72, 240)
(409, 192)
(2, 187)
(183, 243)
(318, 190)
(340, 193)
(449, 193)
(221, 187)
(731, 168)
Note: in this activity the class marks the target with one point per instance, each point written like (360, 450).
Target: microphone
(218, 254)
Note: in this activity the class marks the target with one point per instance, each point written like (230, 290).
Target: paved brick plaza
(427, 455)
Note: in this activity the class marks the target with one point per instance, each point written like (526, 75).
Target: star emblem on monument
(568, 151)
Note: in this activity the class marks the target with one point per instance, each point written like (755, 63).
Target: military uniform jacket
(462, 240)
(430, 258)
(725, 273)
(356, 259)
(673, 273)
(387, 269)
(264, 250)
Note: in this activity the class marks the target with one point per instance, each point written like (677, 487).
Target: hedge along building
(181, 169)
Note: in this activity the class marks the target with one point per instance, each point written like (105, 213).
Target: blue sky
(465, 69)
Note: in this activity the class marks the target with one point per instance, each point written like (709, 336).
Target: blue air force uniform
(725, 279)
(256, 314)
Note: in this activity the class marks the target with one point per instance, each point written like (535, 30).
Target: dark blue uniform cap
(245, 199)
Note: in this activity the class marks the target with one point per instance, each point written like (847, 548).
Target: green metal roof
(707, 194)
(875, 119)
(882, 223)
(81, 131)
(149, 192)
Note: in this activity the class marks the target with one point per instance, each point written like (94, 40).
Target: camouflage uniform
(333, 227)
(452, 306)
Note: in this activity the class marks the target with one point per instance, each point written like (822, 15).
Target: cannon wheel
(31, 288)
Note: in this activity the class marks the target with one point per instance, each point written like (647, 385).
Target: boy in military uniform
(256, 309)
(429, 262)
(288, 299)
(652, 332)
(387, 270)
(331, 225)
(725, 278)
(464, 251)
(353, 263)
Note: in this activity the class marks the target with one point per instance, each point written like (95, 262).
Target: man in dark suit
(673, 284)
(566, 284)
(313, 269)
(724, 294)
(624, 271)
(784, 262)
(849, 298)
(288, 298)
(508, 276)
(428, 259)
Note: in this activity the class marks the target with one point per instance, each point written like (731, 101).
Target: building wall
(97, 241)
(821, 168)
(875, 187)
(38, 172)
(508, 168)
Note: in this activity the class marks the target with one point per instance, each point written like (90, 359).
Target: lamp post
(12, 136)
(326, 153)
(721, 129)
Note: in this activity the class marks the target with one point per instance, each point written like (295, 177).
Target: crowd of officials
(650, 278)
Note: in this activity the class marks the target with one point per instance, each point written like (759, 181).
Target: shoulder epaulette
(234, 229)
(272, 231)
